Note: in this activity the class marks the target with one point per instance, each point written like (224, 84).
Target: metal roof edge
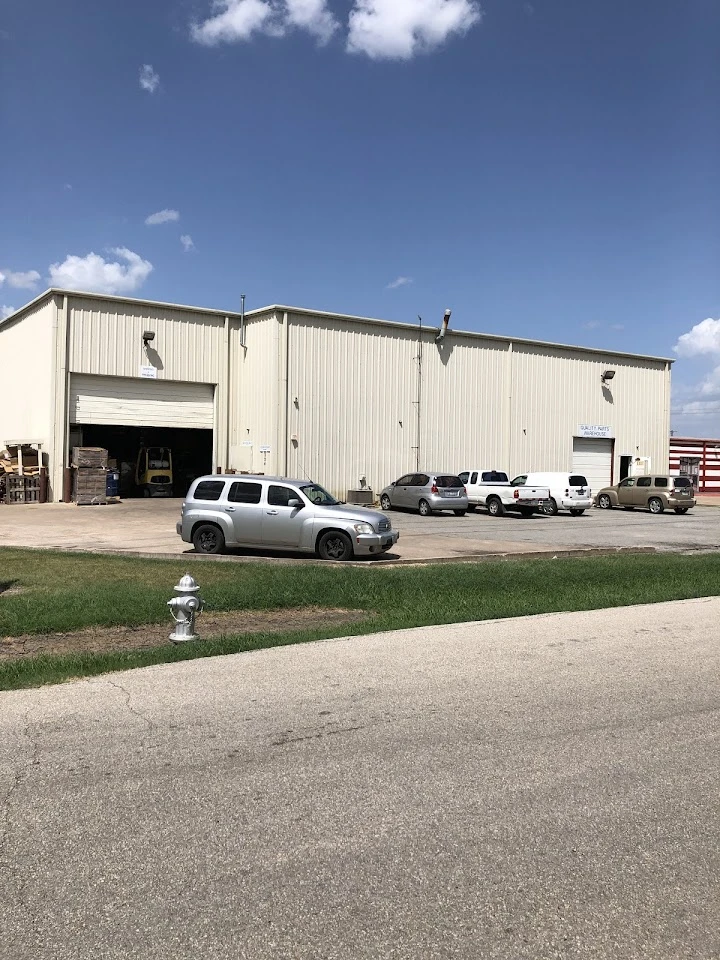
(465, 333)
(304, 311)
(16, 314)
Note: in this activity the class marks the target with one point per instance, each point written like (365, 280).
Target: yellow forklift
(153, 471)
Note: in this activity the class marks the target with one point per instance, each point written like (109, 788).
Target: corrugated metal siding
(141, 403)
(106, 338)
(707, 451)
(484, 403)
(554, 392)
(26, 360)
(357, 412)
(255, 395)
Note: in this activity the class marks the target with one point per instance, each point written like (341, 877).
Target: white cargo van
(568, 491)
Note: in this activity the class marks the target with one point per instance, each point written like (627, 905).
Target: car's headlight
(364, 528)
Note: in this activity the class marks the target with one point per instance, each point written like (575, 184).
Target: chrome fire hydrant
(184, 608)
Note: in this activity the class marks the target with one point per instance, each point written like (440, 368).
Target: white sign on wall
(595, 431)
(148, 372)
(264, 448)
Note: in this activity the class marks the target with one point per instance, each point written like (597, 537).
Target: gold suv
(654, 493)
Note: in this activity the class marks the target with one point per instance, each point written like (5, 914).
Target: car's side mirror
(392, 484)
(294, 503)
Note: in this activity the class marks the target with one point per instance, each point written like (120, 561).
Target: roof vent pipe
(242, 320)
(444, 327)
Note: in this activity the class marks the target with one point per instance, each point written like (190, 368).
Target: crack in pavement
(128, 703)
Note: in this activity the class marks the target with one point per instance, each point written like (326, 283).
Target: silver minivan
(279, 513)
(426, 492)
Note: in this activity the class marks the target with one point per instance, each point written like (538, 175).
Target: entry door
(281, 524)
(593, 459)
(243, 505)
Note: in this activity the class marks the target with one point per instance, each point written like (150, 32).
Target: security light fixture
(607, 375)
(148, 336)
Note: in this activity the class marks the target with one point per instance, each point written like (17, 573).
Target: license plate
(451, 493)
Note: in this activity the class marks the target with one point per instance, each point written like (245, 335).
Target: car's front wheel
(424, 508)
(681, 509)
(208, 538)
(551, 508)
(655, 505)
(459, 513)
(385, 502)
(495, 507)
(335, 545)
(576, 513)
(604, 502)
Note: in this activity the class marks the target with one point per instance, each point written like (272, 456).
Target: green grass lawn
(63, 592)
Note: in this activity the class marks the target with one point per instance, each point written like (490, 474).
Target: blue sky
(546, 169)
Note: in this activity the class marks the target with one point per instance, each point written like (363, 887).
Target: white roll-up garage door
(593, 459)
(141, 403)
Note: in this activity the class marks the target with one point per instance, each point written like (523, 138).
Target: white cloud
(162, 216)
(704, 337)
(149, 80)
(398, 29)
(239, 19)
(187, 241)
(313, 16)
(5, 311)
(97, 275)
(21, 280)
(399, 282)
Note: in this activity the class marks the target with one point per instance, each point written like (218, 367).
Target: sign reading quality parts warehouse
(595, 430)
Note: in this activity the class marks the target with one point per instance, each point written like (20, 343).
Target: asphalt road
(533, 788)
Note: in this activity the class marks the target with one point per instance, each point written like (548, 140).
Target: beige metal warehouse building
(303, 393)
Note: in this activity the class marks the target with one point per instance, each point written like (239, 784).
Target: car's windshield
(316, 494)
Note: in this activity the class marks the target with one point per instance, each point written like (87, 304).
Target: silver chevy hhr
(282, 514)
(427, 492)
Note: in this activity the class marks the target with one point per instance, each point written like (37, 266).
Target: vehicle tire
(604, 502)
(385, 502)
(655, 505)
(335, 545)
(459, 513)
(576, 513)
(424, 508)
(527, 511)
(551, 509)
(208, 538)
(681, 509)
(495, 507)
(472, 507)
(146, 492)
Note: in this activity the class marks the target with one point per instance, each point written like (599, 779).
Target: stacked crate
(90, 465)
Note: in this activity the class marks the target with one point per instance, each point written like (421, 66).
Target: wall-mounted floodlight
(444, 327)
(607, 375)
(148, 336)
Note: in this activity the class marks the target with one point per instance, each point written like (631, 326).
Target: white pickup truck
(492, 489)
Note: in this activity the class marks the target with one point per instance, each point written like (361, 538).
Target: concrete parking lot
(148, 527)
